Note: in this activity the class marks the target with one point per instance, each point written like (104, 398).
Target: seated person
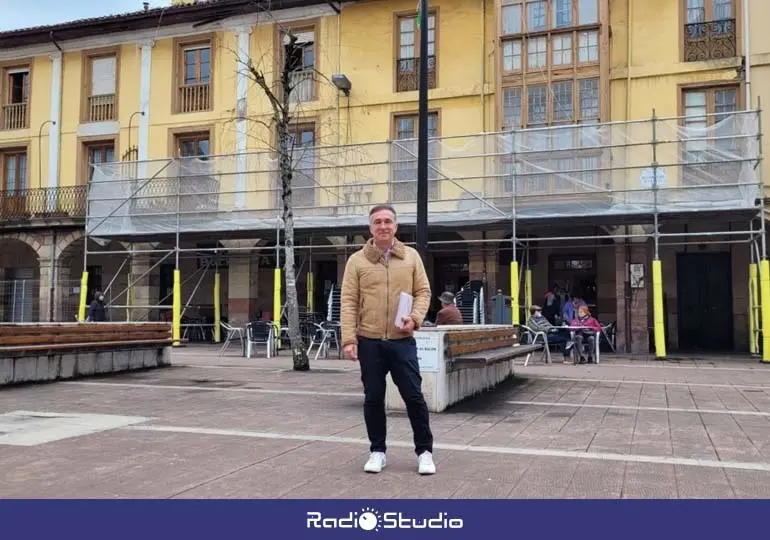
(570, 310)
(587, 336)
(448, 314)
(556, 336)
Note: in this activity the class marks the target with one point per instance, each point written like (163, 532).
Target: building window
(13, 184)
(101, 84)
(98, 153)
(512, 55)
(194, 89)
(511, 17)
(408, 64)
(302, 145)
(704, 107)
(588, 47)
(15, 98)
(562, 101)
(588, 12)
(562, 13)
(403, 187)
(537, 105)
(193, 145)
(536, 53)
(301, 63)
(14, 168)
(709, 30)
(197, 186)
(511, 108)
(536, 19)
(561, 47)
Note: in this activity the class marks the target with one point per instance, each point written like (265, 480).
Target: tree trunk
(298, 346)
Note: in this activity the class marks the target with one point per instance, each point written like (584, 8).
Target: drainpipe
(629, 4)
(747, 53)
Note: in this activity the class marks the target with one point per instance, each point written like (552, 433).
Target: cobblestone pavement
(226, 426)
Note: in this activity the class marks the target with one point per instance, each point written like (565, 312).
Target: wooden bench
(490, 357)
(31, 352)
(458, 362)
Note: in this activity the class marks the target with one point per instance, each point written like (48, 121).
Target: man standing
(375, 277)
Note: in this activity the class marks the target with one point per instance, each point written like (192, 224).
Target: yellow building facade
(517, 87)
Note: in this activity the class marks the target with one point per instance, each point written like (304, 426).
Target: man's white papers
(404, 308)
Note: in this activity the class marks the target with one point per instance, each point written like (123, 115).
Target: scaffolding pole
(657, 271)
(515, 308)
(176, 320)
(764, 265)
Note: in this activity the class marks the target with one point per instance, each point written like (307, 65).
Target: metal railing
(14, 116)
(194, 97)
(408, 74)
(302, 84)
(710, 40)
(101, 108)
(43, 203)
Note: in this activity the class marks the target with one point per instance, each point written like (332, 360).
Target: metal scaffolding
(646, 172)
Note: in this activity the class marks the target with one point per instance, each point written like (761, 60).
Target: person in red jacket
(587, 336)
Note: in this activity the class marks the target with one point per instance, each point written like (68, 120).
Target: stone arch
(29, 239)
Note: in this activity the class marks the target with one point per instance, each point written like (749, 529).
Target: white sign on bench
(429, 346)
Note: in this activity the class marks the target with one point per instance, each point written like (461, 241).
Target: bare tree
(279, 97)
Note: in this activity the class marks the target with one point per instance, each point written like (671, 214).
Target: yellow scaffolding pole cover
(83, 296)
(217, 314)
(753, 342)
(515, 292)
(657, 304)
(176, 321)
(764, 291)
(277, 305)
(310, 291)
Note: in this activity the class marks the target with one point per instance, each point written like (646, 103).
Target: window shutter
(302, 37)
(103, 72)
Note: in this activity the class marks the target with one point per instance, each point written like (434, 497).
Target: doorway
(575, 274)
(704, 301)
(325, 276)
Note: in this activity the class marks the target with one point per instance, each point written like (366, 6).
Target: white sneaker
(376, 462)
(425, 463)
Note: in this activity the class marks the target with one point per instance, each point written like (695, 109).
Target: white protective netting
(558, 171)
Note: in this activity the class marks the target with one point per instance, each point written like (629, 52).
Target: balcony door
(14, 184)
(301, 145)
(16, 99)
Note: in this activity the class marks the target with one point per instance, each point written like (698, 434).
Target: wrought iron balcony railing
(43, 203)
(408, 74)
(710, 40)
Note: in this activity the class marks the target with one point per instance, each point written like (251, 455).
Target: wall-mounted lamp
(342, 83)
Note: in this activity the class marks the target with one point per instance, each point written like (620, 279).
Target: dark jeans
(399, 357)
(581, 340)
(560, 337)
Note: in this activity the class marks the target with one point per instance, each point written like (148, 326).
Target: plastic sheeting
(559, 171)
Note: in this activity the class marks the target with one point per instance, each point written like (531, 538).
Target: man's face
(383, 226)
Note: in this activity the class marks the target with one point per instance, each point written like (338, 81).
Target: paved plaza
(230, 427)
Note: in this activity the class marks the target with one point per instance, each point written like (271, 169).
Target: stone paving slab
(226, 426)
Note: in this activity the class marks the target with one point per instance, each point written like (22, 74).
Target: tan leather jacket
(371, 289)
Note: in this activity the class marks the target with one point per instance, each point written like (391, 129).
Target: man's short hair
(379, 207)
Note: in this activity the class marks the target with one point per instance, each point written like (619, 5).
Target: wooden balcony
(303, 85)
(194, 98)
(43, 203)
(101, 108)
(710, 40)
(14, 117)
(408, 74)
